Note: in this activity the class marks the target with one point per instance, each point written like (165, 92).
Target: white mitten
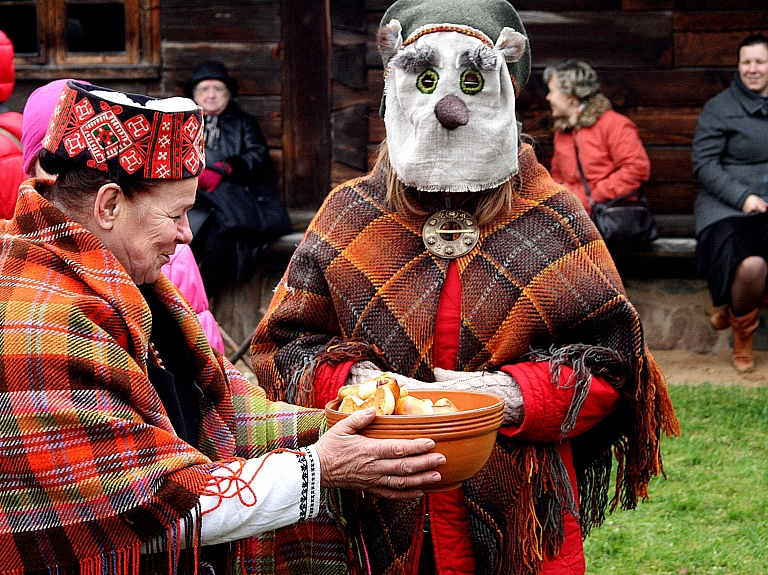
(496, 382)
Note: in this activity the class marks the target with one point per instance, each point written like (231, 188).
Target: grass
(710, 516)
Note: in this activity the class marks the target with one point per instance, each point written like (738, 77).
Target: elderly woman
(588, 131)
(181, 269)
(237, 170)
(730, 159)
(125, 437)
(448, 264)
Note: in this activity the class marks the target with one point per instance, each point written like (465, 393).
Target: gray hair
(575, 78)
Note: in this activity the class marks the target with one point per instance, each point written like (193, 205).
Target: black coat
(240, 144)
(233, 224)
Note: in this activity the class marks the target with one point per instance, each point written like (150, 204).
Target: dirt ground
(686, 367)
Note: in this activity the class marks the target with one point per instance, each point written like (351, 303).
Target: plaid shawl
(362, 285)
(90, 466)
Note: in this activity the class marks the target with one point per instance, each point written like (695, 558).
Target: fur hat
(127, 134)
(488, 16)
(211, 70)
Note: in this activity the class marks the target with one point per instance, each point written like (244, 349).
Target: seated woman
(730, 159)
(588, 131)
(125, 439)
(234, 222)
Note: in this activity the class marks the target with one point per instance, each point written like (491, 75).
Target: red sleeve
(328, 380)
(631, 165)
(546, 405)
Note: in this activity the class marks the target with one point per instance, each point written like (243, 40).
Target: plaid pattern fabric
(362, 284)
(90, 466)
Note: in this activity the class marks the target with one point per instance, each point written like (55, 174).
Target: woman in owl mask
(459, 263)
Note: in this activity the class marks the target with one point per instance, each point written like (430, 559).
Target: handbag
(621, 220)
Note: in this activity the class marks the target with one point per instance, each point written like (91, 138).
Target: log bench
(671, 255)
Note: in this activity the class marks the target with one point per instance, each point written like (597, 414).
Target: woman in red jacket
(607, 143)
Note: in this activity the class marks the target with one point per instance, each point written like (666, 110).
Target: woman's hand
(394, 468)
(754, 203)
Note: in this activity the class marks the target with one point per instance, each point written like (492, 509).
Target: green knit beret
(488, 16)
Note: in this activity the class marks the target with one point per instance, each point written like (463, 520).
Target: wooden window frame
(141, 59)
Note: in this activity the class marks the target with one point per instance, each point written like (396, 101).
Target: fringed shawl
(362, 285)
(91, 466)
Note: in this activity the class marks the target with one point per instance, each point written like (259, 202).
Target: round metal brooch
(450, 233)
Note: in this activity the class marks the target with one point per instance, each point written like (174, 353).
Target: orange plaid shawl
(90, 466)
(362, 285)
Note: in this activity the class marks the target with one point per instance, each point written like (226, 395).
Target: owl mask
(449, 106)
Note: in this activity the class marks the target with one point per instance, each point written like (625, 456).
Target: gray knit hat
(488, 16)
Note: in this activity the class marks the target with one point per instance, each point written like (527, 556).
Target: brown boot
(744, 328)
(719, 319)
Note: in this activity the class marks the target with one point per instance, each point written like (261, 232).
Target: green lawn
(710, 516)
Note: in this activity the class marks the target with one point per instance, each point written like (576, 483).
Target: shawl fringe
(586, 361)
(636, 446)
(534, 482)
(337, 351)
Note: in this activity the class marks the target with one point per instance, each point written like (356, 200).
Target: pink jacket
(611, 153)
(183, 272)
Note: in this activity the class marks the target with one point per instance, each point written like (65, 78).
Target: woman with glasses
(237, 165)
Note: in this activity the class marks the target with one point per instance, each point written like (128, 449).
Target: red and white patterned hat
(127, 134)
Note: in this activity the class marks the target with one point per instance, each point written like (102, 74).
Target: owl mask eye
(471, 82)
(427, 81)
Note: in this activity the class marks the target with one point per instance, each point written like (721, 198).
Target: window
(83, 37)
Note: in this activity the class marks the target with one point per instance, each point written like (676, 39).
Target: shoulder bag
(621, 220)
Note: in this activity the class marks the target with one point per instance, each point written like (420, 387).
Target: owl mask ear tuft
(511, 44)
(389, 40)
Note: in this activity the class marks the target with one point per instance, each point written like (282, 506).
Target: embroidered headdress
(127, 134)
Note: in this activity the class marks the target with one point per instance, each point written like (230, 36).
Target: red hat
(127, 134)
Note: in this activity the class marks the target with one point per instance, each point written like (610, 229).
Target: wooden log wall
(245, 36)
(658, 62)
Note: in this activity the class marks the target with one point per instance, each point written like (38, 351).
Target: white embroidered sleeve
(248, 497)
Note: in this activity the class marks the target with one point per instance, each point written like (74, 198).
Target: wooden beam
(306, 49)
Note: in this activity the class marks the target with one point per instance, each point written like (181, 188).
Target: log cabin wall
(278, 50)
(245, 36)
(310, 73)
(658, 62)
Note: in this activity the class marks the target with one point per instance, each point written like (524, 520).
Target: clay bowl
(466, 437)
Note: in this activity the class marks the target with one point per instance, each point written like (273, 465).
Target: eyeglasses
(214, 89)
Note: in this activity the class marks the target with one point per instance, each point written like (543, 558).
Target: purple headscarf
(37, 114)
